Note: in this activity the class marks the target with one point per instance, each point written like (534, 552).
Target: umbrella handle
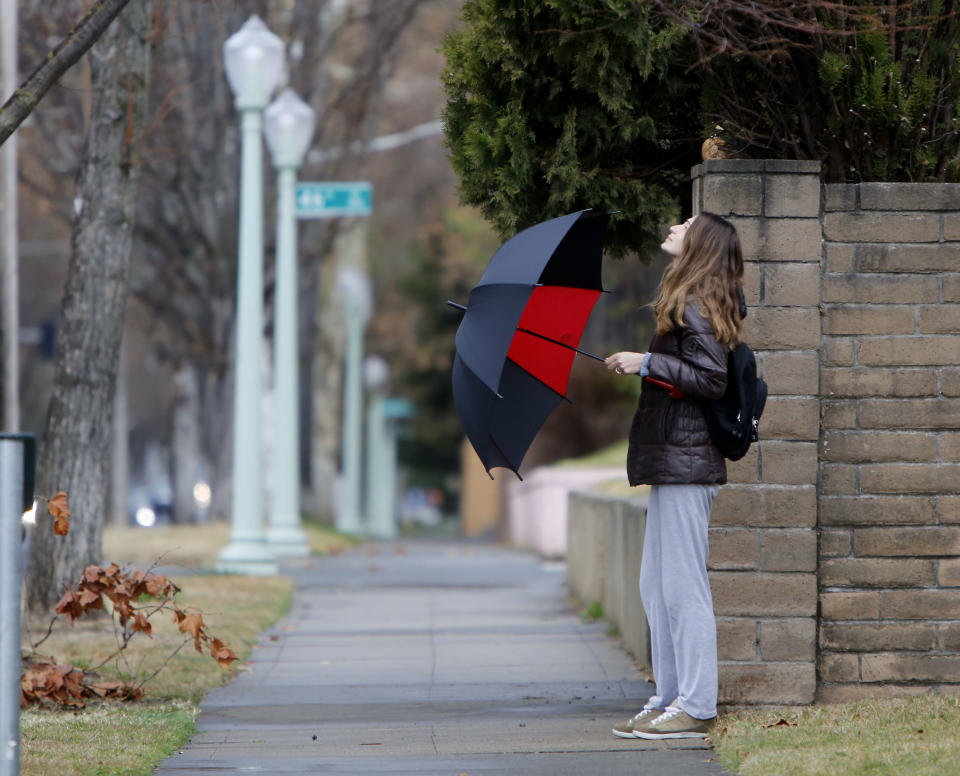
(672, 390)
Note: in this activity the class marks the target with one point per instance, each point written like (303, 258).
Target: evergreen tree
(559, 105)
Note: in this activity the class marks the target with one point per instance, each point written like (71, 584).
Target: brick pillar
(763, 537)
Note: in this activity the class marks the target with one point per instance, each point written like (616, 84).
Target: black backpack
(733, 420)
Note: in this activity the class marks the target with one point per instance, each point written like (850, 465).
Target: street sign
(332, 199)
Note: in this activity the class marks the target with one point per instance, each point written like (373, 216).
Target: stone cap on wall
(900, 197)
(733, 166)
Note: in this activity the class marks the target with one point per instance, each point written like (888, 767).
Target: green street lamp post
(253, 59)
(289, 123)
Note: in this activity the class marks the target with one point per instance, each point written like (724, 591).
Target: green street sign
(332, 199)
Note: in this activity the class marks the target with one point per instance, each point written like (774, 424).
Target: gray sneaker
(675, 723)
(638, 721)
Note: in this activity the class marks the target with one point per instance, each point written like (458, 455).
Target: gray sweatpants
(676, 597)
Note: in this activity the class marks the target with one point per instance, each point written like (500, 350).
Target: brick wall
(849, 508)
(763, 539)
(890, 442)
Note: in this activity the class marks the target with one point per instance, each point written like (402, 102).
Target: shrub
(560, 105)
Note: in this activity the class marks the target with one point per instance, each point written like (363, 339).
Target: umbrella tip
(458, 306)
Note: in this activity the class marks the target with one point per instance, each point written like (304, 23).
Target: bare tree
(74, 452)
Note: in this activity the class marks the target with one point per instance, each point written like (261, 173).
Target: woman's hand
(625, 362)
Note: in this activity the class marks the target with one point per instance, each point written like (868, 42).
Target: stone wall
(605, 540)
(890, 444)
(835, 547)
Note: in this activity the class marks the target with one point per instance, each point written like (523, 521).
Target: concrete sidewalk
(432, 658)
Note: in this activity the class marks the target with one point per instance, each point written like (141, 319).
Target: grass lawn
(195, 547)
(916, 736)
(105, 740)
(116, 738)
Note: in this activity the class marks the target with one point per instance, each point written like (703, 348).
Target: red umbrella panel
(549, 331)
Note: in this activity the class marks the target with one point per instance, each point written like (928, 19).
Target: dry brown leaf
(58, 505)
(142, 624)
(123, 609)
(69, 607)
(224, 656)
(781, 723)
(193, 624)
(45, 682)
(90, 599)
(159, 586)
(119, 690)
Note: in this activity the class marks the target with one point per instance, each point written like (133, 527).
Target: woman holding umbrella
(699, 315)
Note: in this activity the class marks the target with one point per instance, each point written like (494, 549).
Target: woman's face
(674, 242)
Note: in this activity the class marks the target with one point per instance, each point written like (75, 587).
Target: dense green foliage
(870, 90)
(559, 105)
(902, 93)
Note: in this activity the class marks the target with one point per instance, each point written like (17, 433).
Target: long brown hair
(710, 268)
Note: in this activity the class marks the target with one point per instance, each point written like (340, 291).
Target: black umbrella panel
(520, 332)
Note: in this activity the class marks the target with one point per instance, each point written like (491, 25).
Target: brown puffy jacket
(669, 441)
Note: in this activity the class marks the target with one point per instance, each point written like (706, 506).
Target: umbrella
(519, 335)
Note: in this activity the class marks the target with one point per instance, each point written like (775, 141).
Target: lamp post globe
(253, 59)
(376, 372)
(288, 124)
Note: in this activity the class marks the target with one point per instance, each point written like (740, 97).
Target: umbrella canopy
(519, 334)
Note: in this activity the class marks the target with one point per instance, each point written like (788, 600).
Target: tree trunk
(75, 452)
(216, 419)
(120, 449)
(187, 466)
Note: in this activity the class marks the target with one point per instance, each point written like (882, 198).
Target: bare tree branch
(57, 62)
